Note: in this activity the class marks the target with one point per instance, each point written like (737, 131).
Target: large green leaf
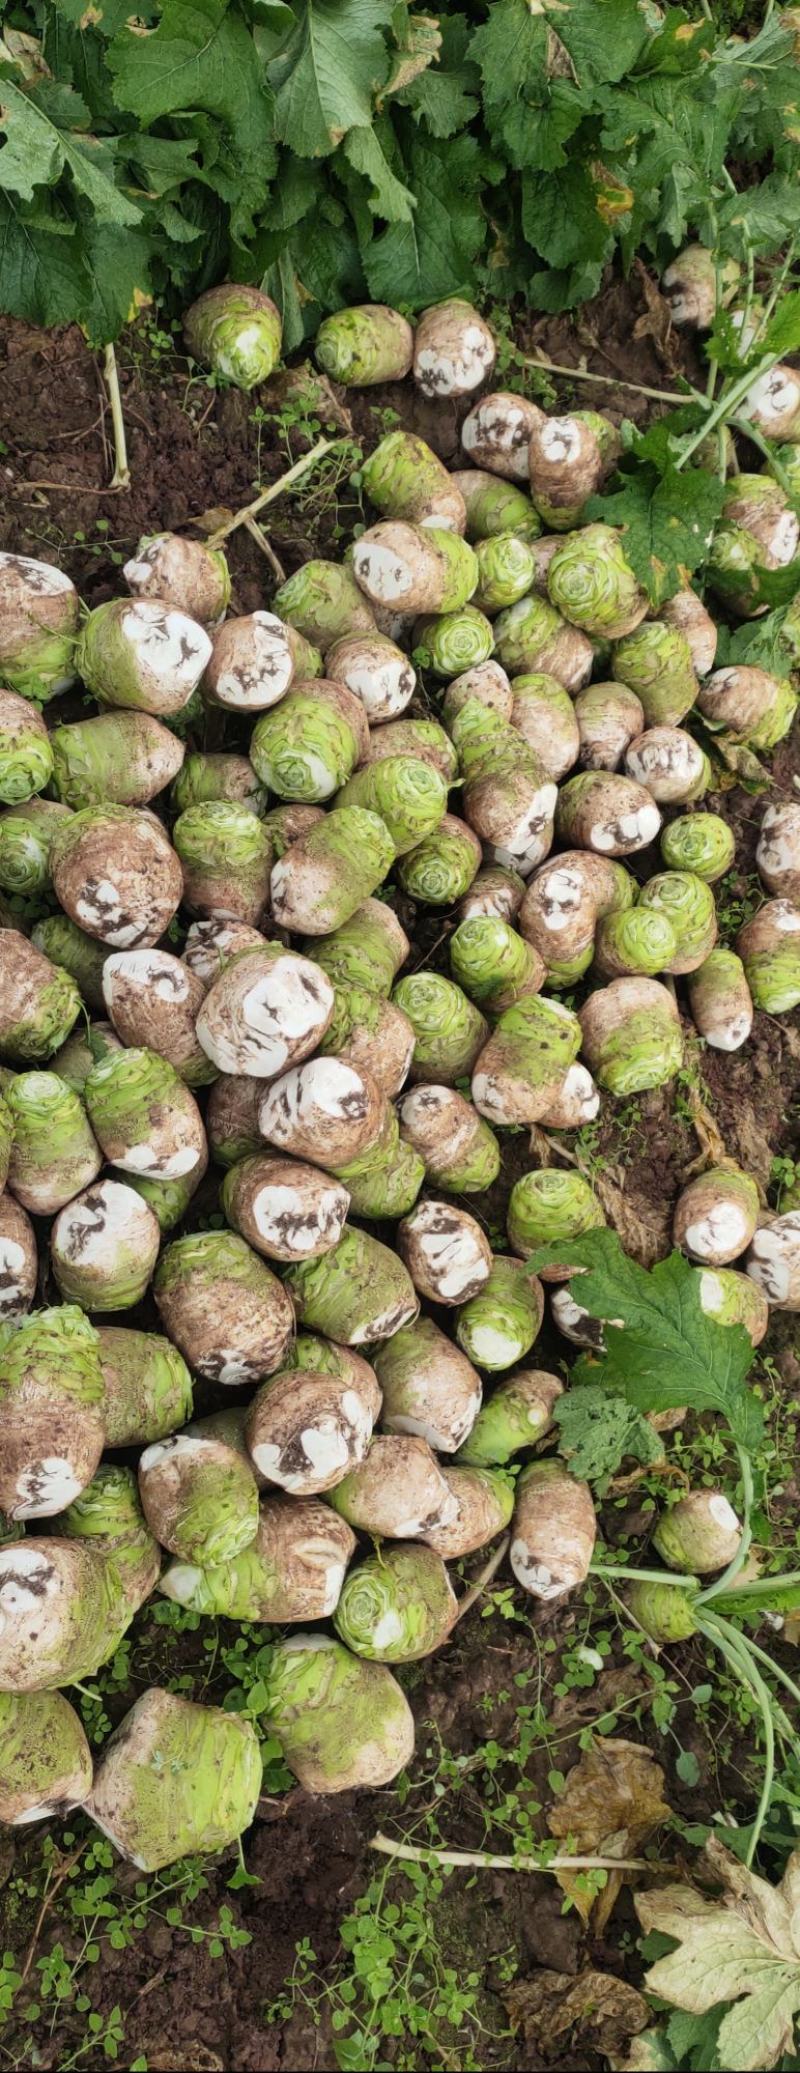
(200, 56)
(45, 128)
(432, 255)
(327, 74)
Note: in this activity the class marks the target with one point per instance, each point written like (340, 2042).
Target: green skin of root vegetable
(656, 663)
(645, 1050)
(665, 1612)
(396, 1607)
(448, 1029)
(493, 963)
(109, 1516)
(506, 571)
(404, 478)
(494, 507)
(6, 1135)
(168, 1199)
(175, 1779)
(366, 1030)
(147, 1387)
(519, 1071)
(440, 870)
(26, 835)
(50, 1398)
(357, 1294)
(464, 1166)
(323, 602)
(70, 1613)
(513, 1418)
(54, 1153)
(293, 1570)
(592, 585)
(325, 877)
(699, 1534)
(688, 903)
(407, 794)
(498, 1326)
(699, 842)
(453, 642)
(364, 345)
(42, 1008)
(224, 1309)
(342, 1722)
(125, 757)
(548, 1205)
(231, 778)
(237, 332)
(200, 1498)
(226, 859)
(143, 1116)
(104, 1246)
(447, 574)
(641, 940)
(60, 940)
(26, 753)
(388, 1187)
(773, 977)
(306, 747)
(45, 1759)
(366, 951)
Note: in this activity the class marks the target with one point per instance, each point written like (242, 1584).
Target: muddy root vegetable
(750, 704)
(496, 506)
(769, 946)
(506, 571)
(547, 1205)
(293, 1570)
(687, 612)
(324, 878)
(655, 661)
(548, 720)
(404, 478)
(63, 1613)
(175, 1778)
(366, 951)
(54, 1152)
(51, 1396)
(568, 458)
(592, 585)
(322, 600)
(223, 776)
(773, 402)
(26, 751)
(211, 944)
(778, 851)
(449, 1031)
(119, 758)
(447, 1255)
(397, 1493)
(76, 1057)
(441, 869)
(168, 1199)
(715, 1217)
(142, 655)
(773, 1261)
(734, 1298)
(372, 1035)
(284, 1209)
(575, 1322)
(758, 532)
(699, 1534)
(484, 1505)
(225, 856)
(497, 434)
(376, 671)
(494, 964)
(497, 891)
(143, 1116)
(459, 1151)
(308, 746)
(670, 765)
(153, 1000)
(565, 899)
(519, 1071)
(343, 1723)
(182, 573)
(498, 1326)
(696, 284)
(79, 955)
(701, 843)
(268, 1009)
(721, 1002)
(323, 1109)
(104, 1245)
(232, 1119)
(385, 1179)
(509, 799)
(430, 1389)
(454, 350)
(108, 1515)
(632, 1036)
(517, 1415)
(39, 613)
(553, 1532)
(397, 1606)
(665, 1613)
(252, 663)
(531, 636)
(612, 815)
(366, 344)
(39, 1003)
(305, 1431)
(19, 1261)
(45, 1759)
(359, 1293)
(147, 1387)
(576, 1101)
(236, 331)
(230, 1317)
(116, 875)
(487, 683)
(27, 834)
(199, 1496)
(414, 568)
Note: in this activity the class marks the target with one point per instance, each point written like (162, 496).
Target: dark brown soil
(195, 450)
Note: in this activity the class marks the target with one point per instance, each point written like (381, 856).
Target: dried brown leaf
(555, 2010)
(612, 1803)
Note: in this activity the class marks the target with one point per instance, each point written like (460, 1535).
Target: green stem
(776, 469)
(738, 1560)
(644, 1576)
(122, 474)
(725, 407)
(615, 381)
(738, 1655)
(775, 1669)
(276, 489)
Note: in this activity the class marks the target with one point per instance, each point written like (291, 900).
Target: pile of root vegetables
(476, 710)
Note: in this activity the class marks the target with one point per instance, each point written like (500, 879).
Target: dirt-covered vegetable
(366, 344)
(498, 1326)
(342, 1722)
(236, 331)
(230, 1317)
(553, 1531)
(769, 946)
(175, 1778)
(39, 614)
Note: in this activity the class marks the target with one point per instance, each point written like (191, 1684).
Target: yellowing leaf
(742, 1948)
(612, 1803)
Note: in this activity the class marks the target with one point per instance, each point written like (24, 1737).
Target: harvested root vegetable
(441, 868)
(568, 458)
(324, 603)
(548, 720)
(734, 1298)
(701, 843)
(293, 1570)
(26, 838)
(104, 1246)
(228, 777)
(375, 670)
(487, 684)
(305, 1431)
(497, 891)
(773, 1261)
(232, 1118)
(211, 944)
(284, 1209)
(497, 434)
(699, 1534)
(372, 1035)
(509, 798)
(266, 1010)
(39, 614)
(449, 1031)
(119, 758)
(454, 350)
(750, 703)
(576, 1101)
(45, 1759)
(147, 1387)
(592, 585)
(143, 1116)
(53, 1151)
(758, 532)
(142, 654)
(721, 1002)
(80, 955)
(64, 1613)
(343, 1723)
(687, 612)
(235, 330)
(484, 1505)
(225, 855)
(51, 1397)
(306, 747)
(576, 1322)
(639, 940)
(447, 1255)
(547, 1205)
(498, 1326)
(230, 1317)
(716, 1215)
(396, 1606)
(493, 963)
(554, 1531)
(108, 1514)
(517, 1415)
(366, 951)
(325, 1108)
(407, 794)
(769, 946)
(405, 479)
(565, 899)
(530, 635)
(655, 661)
(26, 752)
(696, 284)
(19, 1261)
(397, 1493)
(610, 814)
(450, 643)
(200, 1497)
(687, 903)
(414, 568)
(778, 851)
(496, 506)
(358, 1293)
(116, 875)
(773, 402)
(366, 344)
(253, 662)
(153, 1000)
(429, 1387)
(175, 1778)
(665, 1613)
(632, 1036)
(459, 1151)
(670, 764)
(38, 1002)
(323, 879)
(506, 570)
(182, 573)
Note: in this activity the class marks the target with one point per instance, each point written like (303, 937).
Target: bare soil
(195, 450)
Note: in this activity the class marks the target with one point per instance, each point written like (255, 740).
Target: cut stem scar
(486, 1860)
(276, 489)
(122, 475)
